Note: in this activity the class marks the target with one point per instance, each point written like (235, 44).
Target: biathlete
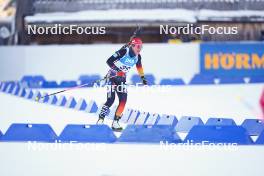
(120, 63)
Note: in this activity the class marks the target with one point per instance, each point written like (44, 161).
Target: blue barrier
(7, 85)
(35, 84)
(254, 127)
(218, 134)
(52, 100)
(168, 120)
(1, 84)
(136, 79)
(33, 81)
(91, 107)
(3, 87)
(149, 134)
(71, 103)
(186, 123)
(133, 117)
(36, 95)
(29, 132)
(143, 116)
(29, 94)
(16, 90)
(89, 79)
(11, 87)
(45, 98)
(50, 84)
(220, 121)
(37, 81)
(39, 78)
(27, 78)
(126, 115)
(256, 79)
(61, 101)
(87, 133)
(152, 119)
(65, 84)
(260, 139)
(231, 80)
(22, 92)
(176, 81)
(81, 105)
(202, 79)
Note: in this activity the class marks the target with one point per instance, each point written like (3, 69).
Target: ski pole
(72, 88)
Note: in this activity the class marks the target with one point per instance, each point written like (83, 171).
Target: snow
(122, 159)
(115, 15)
(207, 14)
(181, 15)
(226, 101)
(132, 159)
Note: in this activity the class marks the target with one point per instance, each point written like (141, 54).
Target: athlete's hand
(144, 80)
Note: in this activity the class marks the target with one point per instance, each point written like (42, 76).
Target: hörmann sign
(232, 58)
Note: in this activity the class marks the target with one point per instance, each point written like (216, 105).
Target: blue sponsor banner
(237, 59)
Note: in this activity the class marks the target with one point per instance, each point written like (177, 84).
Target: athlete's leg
(110, 100)
(122, 96)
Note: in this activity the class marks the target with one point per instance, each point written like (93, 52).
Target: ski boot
(115, 125)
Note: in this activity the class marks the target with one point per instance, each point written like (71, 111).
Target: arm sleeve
(114, 58)
(139, 66)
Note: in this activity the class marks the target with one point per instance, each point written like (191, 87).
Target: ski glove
(144, 80)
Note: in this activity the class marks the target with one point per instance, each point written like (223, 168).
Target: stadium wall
(68, 62)
(163, 60)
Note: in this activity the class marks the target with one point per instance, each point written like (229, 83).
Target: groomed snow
(132, 159)
(227, 101)
(181, 15)
(17, 159)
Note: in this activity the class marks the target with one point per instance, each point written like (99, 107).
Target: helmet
(136, 41)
